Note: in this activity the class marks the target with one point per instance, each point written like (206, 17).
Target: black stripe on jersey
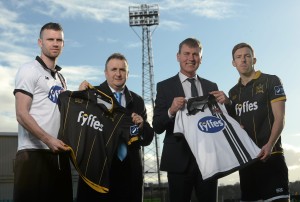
(234, 141)
(243, 153)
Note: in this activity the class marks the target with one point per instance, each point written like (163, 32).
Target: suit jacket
(176, 153)
(132, 164)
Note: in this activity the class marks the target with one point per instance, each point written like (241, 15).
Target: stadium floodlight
(144, 15)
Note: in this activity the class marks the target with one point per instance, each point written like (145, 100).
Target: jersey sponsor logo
(134, 130)
(211, 124)
(54, 92)
(89, 120)
(279, 90)
(245, 107)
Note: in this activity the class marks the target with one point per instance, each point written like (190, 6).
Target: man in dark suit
(177, 158)
(126, 175)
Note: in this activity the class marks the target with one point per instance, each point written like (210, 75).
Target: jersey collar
(256, 76)
(57, 68)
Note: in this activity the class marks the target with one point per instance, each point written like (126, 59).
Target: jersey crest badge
(134, 130)
(259, 89)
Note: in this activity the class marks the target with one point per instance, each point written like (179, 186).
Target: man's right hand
(177, 104)
(84, 85)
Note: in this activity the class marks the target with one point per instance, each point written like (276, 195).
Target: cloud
(93, 74)
(170, 25)
(292, 156)
(297, 135)
(213, 9)
(12, 31)
(117, 11)
(12, 60)
(206, 8)
(111, 11)
(12, 54)
(108, 40)
(134, 45)
(291, 148)
(72, 43)
(150, 166)
(76, 74)
(7, 115)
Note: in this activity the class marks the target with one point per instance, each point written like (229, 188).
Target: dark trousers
(181, 185)
(41, 175)
(126, 184)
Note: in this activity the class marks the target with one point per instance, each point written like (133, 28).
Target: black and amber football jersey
(252, 106)
(92, 125)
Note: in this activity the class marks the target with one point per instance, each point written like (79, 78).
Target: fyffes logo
(245, 107)
(89, 120)
(211, 124)
(54, 92)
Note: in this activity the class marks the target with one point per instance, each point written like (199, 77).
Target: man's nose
(118, 72)
(191, 57)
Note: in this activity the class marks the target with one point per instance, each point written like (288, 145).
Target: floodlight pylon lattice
(145, 16)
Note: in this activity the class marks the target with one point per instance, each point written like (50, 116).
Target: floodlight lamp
(144, 15)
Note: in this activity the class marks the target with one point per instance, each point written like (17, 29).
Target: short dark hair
(191, 42)
(118, 56)
(241, 45)
(51, 25)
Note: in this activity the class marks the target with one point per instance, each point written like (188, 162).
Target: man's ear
(40, 42)
(254, 61)
(177, 57)
(233, 63)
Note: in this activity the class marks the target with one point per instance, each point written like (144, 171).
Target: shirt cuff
(170, 115)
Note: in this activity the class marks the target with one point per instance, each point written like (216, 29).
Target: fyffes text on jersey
(211, 124)
(90, 120)
(245, 107)
(54, 92)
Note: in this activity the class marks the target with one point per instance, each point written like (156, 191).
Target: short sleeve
(26, 79)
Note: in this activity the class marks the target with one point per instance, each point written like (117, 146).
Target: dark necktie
(194, 91)
(122, 149)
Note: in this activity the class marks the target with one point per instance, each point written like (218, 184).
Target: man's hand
(137, 119)
(265, 152)
(55, 145)
(177, 104)
(84, 85)
(220, 97)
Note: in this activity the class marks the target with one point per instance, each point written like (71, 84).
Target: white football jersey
(217, 141)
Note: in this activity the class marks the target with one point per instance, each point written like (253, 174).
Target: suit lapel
(204, 88)
(176, 83)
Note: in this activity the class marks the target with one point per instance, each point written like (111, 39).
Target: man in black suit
(177, 158)
(126, 175)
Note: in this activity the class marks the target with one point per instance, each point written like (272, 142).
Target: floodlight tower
(145, 16)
